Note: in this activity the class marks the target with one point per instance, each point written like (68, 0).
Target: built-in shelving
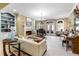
(7, 21)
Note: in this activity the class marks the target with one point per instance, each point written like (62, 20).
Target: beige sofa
(33, 48)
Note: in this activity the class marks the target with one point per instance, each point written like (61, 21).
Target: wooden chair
(64, 41)
(67, 42)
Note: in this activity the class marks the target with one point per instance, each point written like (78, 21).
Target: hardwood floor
(54, 47)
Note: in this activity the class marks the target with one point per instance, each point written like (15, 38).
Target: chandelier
(40, 15)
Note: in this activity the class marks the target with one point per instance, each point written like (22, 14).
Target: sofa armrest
(33, 48)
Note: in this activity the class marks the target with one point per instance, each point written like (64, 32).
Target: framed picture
(29, 22)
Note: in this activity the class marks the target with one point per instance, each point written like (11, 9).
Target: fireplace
(28, 32)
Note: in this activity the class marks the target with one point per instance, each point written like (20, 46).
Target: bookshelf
(7, 21)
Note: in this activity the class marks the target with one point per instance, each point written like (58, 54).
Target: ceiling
(46, 10)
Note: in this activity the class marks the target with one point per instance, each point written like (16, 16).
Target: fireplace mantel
(28, 28)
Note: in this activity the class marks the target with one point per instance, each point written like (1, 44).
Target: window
(77, 23)
(48, 26)
(60, 25)
(53, 27)
(60, 21)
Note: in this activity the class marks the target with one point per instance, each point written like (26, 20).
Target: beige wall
(69, 22)
(66, 23)
(21, 26)
(20, 19)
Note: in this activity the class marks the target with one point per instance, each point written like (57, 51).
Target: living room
(39, 29)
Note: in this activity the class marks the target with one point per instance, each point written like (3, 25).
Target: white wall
(3, 35)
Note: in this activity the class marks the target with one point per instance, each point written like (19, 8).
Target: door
(50, 28)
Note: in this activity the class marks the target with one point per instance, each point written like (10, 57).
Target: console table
(10, 43)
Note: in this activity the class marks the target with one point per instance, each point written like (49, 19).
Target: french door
(51, 28)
